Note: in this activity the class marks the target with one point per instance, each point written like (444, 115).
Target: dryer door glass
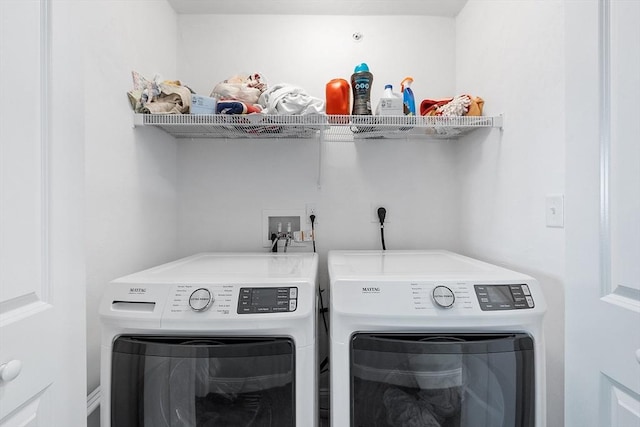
(471, 380)
(202, 381)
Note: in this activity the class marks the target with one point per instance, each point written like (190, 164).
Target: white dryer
(214, 339)
(433, 338)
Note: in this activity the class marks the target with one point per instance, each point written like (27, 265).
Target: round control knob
(200, 299)
(443, 296)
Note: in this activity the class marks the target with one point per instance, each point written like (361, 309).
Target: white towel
(285, 99)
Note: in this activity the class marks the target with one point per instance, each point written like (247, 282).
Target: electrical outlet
(374, 212)
(312, 209)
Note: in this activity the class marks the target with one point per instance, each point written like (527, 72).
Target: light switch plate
(555, 210)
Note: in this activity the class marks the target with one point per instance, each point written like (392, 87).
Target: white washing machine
(433, 338)
(215, 339)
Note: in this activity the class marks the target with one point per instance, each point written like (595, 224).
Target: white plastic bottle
(390, 104)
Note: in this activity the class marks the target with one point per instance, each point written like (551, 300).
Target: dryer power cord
(382, 213)
(313, 231)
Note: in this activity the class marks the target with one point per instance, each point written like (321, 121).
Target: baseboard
(93, 400)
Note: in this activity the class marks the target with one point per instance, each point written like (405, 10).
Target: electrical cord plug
(312, 218)
(382, 214)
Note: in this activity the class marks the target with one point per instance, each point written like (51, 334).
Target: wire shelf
(330, 128)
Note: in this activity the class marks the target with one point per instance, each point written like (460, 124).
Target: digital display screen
(267, 300)
(500, 294)
(264, 297)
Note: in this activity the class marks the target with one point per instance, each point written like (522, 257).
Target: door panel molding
(45, 141)
(20, 291)
(604, 92)
(621, 406)
(616, 288)
(27, 415)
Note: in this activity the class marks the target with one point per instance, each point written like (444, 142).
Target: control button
(443, 296)
(293, 293)
(525, 290)
(293, 304)
(200, 299)
(529, 301)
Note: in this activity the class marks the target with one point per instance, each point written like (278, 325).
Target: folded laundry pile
(241, 94)
(159, 96)
(289, 99)
(462, 105)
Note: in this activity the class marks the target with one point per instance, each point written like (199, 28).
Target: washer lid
(412, 265)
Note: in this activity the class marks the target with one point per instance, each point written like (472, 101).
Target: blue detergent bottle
(408, 100)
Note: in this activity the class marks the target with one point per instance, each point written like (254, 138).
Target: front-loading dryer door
(458, 380)
(202, 381)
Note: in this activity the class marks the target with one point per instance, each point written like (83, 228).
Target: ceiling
(448, 8)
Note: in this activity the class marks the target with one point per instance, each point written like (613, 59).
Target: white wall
(225, 185)
(131, 213)
(311, 50)
(512, 54)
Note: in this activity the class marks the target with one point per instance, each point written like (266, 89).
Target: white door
(603, 213)
(42, 336)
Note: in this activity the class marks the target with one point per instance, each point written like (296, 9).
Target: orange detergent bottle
(338, 99)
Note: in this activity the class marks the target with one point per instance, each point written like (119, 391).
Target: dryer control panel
(504, 297)
(267, 300)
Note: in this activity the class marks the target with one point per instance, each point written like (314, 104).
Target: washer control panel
(200, 299)
(267, 300)
(504, 297)
(429, 296)
(443, 296)
(193, 298)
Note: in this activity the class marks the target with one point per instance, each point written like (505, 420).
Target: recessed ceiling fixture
(357, 36)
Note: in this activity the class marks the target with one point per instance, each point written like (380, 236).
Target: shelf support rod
(320, 138)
